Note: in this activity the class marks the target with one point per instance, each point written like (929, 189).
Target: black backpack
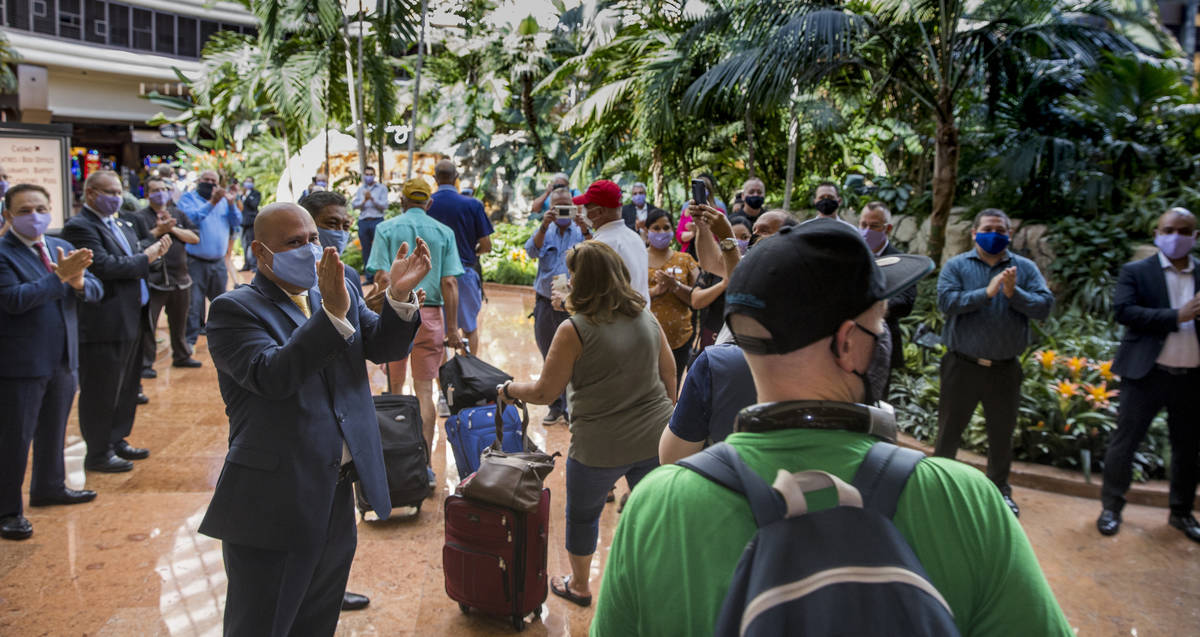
(839, 571)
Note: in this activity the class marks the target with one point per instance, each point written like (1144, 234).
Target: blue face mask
(297, 267)
(368, 179)
(334, 238)
(991, 242)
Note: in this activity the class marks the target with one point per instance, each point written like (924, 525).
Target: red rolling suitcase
(495, 558)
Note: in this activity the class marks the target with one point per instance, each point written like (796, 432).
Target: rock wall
(1029, 239)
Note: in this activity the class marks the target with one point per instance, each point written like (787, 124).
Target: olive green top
(618, 403)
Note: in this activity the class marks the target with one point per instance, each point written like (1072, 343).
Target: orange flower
(1076, 364)
(1105, 369)
(1066, 389)
(1099, 395)
(1046, 358)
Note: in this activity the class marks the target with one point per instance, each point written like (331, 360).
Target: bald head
(209, 177)
(282, 220)
(1177, 213)
(769, 223)
(445, 173)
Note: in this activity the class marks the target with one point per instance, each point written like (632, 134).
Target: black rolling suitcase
(405, 457)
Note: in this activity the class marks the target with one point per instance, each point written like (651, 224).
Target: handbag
(510, 480)
(468, 381)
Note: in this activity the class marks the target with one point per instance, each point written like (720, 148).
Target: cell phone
(699, 191)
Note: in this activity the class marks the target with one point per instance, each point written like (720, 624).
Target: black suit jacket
(1143, 306)
(899, 306)
(116, 317)
(629, 214)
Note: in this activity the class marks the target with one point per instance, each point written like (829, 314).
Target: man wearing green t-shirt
(680, 537)
(440, 289)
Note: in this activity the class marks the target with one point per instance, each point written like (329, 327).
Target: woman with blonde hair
(619, 373)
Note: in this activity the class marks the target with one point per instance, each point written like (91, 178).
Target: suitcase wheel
(464, 608)
(518, 623)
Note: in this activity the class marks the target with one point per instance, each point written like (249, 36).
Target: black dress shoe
(142, 399)
(354, 601)
(1108, 523)
(66, 496)
(123, 450)
(109, 464)
(187, 362)
(15, 527)
(149, 373)
(1187, 524)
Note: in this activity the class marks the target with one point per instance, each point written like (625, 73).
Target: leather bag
(511, 480)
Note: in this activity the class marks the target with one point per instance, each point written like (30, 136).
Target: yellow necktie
(301, 301)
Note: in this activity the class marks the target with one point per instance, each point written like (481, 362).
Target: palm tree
(929, 52)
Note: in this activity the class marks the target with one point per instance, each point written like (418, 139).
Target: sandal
(565, 592)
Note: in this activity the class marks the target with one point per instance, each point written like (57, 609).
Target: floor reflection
(132, 562)
(193, 582)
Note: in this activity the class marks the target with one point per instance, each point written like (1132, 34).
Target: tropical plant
(8, 56)
(937, 54)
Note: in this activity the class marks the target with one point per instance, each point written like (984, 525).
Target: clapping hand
(217, 194)
(70, 267)
(663, 283)
(408, 269)
(331, 281)
(158, 248)
(1009, 281)
(163, 226)
(1190, 310)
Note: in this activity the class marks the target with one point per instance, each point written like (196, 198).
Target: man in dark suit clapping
(290, 351)
(875, 227)
(110, 332)
(41, 280)
(1159, 364)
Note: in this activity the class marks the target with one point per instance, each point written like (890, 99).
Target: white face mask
(587, 221)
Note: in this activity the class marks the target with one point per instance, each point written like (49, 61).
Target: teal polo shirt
(443, 251)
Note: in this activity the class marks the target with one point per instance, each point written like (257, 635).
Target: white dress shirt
(1181, 349)
(632, 249)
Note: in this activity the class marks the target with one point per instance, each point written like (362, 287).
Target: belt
(347, 472)
(1176, 371)
(984, 362)
(216, 260)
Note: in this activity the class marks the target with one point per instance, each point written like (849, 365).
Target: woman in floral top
(672, 276)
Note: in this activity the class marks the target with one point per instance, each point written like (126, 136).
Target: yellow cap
(417, 190)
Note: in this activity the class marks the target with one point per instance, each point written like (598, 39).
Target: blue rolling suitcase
(473, 429)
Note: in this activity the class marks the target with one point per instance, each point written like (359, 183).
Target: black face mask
(755, 201)
(875, 378)
(826, 206)
(204, 190)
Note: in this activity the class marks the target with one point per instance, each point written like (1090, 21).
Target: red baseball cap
(602, 193)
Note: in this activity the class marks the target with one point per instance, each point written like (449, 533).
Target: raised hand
(70, 267)
(331, 281)
(408, 269)
(217, 194)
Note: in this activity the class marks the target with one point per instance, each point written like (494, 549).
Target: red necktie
(45, 259)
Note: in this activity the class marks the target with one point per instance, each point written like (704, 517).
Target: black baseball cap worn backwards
(804, 281)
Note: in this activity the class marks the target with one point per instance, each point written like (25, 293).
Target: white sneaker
(443, 408)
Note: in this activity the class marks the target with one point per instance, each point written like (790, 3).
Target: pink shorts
(428, 349)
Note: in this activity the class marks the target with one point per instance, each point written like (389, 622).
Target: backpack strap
(722, 464)
(882, 475)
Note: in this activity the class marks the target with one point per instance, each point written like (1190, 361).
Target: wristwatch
(728, 244)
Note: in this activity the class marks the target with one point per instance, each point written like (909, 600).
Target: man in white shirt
(602, 209)
(1159, 364)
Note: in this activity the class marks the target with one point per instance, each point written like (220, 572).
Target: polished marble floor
(132, 563)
